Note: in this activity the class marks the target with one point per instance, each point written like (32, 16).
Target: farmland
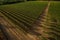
(54, 11)
(27, 17)
(23, 15)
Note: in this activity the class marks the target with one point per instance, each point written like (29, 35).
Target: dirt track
(40, 23)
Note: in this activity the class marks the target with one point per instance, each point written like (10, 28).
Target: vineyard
(33, 20)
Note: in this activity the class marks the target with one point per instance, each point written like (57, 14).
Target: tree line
(17, 1)
(10, 1)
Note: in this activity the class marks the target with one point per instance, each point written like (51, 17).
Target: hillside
(33, 20)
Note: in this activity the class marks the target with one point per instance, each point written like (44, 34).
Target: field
(54, 11)
(24, 15)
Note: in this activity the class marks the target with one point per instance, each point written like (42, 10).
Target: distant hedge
(10, 1)
(43, 0)
(16, 1)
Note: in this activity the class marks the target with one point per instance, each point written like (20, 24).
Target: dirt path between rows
(40, 23)
(10, 30)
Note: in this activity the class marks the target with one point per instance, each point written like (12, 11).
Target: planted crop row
(26, 17)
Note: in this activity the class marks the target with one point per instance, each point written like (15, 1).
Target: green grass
(54, 9)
